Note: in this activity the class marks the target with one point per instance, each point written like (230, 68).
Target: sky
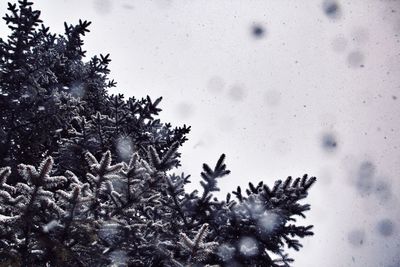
(283, 88)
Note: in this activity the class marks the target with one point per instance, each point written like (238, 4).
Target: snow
(226, 252)
(268, 222)
(118, 258)
(124, 148)
(248, 246)
(50, 226)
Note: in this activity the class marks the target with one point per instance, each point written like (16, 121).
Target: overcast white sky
(271, 102)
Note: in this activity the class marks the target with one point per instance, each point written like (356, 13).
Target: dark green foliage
(104, 193)
(54, 103)
(143, 214)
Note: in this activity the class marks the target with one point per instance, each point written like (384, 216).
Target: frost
(129, 217)
(8, 219)
(89, 178)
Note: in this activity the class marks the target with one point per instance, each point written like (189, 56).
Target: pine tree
(87, 178)
(54, 103)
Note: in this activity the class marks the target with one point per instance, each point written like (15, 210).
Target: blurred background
(282, 88)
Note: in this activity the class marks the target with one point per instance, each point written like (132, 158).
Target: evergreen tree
(104, 192)
(54, 103)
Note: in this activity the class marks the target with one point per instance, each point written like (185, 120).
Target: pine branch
(198, 249)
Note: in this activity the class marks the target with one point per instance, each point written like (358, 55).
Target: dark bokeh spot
(355, 59)
(385, 227)
(356, 238)
(184, 110)
(128, 6)
(339, 44)
(103, 7)
(215, 85)
(258, 31)
(329, 142)
(237, 93)
(365, 177)
(383, 190)
(367, 170)
(394, 97)
(331, 8)
(272, 97)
